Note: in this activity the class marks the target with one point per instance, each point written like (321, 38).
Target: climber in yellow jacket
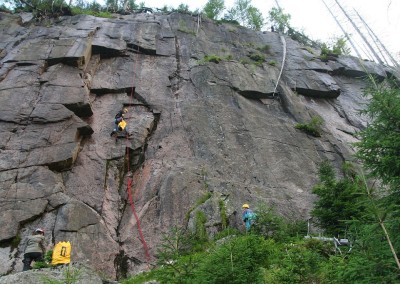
(120, 123)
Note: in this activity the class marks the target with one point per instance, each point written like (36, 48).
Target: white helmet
(39, 230)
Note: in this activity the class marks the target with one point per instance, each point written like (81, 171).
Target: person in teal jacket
(34, 248)
(248, 216)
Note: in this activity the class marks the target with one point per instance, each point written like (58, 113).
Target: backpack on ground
(61, 253)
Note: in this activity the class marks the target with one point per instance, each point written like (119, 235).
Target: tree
(255, 18)
(130, 5)
(379, 148)
(246, 14)
(112, 5)
(214, 8)
(175, 255)
(340, 201)
(41, 8)
(236, 260)
(279, 19)
(182, 8)
(337, 46)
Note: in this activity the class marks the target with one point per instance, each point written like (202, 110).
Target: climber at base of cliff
(120, 125)
(248, 216)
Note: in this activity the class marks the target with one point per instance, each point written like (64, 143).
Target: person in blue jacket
(248, 216)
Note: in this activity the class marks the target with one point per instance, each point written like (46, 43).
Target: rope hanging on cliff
(128, 182)
(283, 62)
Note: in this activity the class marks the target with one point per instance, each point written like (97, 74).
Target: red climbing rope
(146, 249)
(131, 201)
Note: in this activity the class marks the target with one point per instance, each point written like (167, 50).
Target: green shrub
(48, 257)
(200, 222)
(227, 21)
(40, 264)
(199, 201)
(313, 127)
(245, 60)
(298, 264)
(80, 11)
(224, 217)
(176, 258)
(265, 48)
(334, 48)
(257, 57)
(203, 199)
(70, 276)
(15, 241)
(229, 231)
(212, 58)
(323, 57)
(237, 260)
(339, 201)
(142, 277)
(272, 63)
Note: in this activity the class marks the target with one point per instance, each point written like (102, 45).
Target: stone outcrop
(217, 128)
(77, 274)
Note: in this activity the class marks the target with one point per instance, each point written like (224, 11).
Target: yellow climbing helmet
(125, 110)
(245, 206)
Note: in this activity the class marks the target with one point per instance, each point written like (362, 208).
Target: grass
(15, 241)
(313, 127)
(199, 201)
(70, 276)
(212, 58)
(310, 50)
(215, 58)
(224, 217)
(265, 48)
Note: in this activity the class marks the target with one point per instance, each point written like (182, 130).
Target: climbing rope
(129, 182)
(283, 62)
(198, 23)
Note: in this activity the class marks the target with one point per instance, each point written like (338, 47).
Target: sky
(311, 16)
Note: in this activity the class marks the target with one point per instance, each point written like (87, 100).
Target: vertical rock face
(221, 128)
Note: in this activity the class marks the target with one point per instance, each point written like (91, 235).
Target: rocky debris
(77, 273)
(220, 131)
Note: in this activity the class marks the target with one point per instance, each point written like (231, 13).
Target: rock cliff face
(219, 127)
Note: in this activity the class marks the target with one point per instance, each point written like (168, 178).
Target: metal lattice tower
(361, 37)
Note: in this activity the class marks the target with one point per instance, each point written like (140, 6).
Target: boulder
(80, 274)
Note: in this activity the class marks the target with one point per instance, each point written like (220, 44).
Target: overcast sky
(313, 18)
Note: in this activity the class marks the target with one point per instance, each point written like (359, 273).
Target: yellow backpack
(61, 253)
